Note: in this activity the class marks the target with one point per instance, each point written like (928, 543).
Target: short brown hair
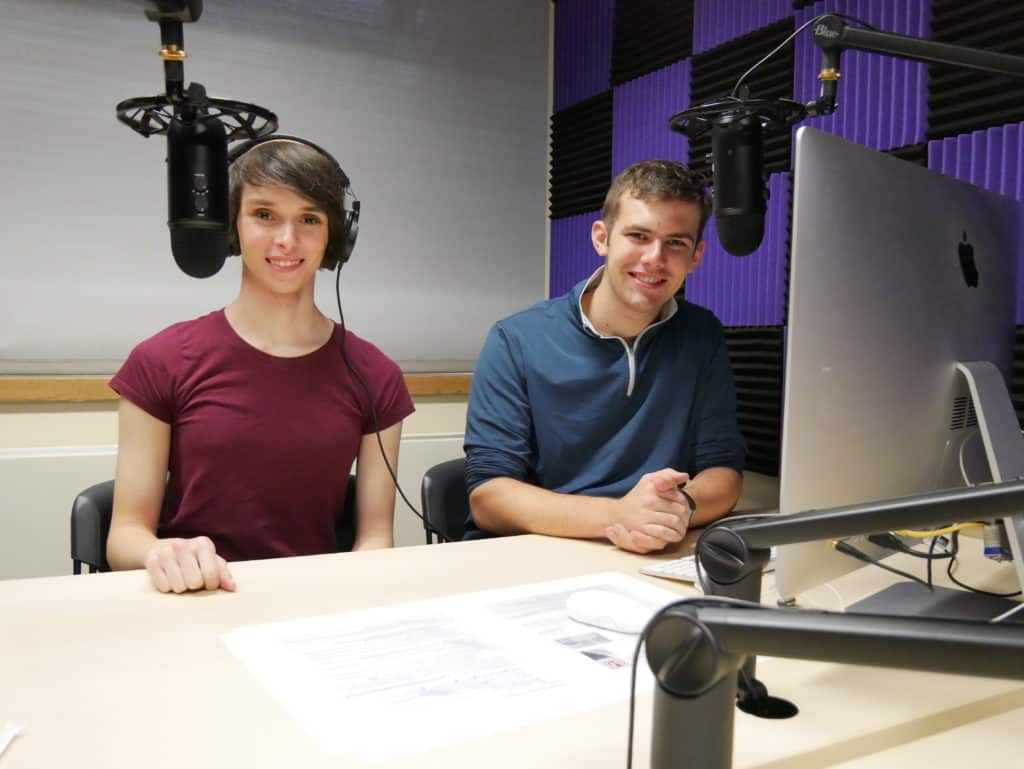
(664, 180)
(302, 169)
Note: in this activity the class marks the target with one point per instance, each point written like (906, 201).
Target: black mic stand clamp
(733, 568)
(696, 647)
(148, 115)
(827, 32)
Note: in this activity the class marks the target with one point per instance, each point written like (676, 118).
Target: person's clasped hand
(178, 565)
(653, 514)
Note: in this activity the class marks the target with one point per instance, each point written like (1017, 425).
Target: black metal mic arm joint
(694, 649)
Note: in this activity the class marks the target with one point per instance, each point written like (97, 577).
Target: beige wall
(82, 424)
(48, 453)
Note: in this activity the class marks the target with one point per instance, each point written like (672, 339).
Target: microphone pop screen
(197, 194)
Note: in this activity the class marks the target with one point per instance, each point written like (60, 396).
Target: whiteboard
(436, 110)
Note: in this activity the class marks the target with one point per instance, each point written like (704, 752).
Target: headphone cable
(373, 407)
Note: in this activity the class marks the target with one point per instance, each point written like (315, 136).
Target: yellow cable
(938, 532)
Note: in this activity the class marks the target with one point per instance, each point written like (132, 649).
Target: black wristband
(691, 502)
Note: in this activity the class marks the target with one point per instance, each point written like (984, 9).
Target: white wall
(437, 111)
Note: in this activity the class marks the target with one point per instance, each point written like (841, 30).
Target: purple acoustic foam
(719, 21)
(640, 112)
(583, 50)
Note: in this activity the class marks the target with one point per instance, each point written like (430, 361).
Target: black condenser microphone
(197, 194)
(737, 156)
(737, 127)
(198, 130)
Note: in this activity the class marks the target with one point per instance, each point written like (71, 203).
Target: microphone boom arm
(733, 551)
(833, 35)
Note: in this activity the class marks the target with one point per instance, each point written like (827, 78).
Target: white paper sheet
(7, 734)
(484, 662)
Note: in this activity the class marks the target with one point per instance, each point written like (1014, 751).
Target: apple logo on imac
(967, 265)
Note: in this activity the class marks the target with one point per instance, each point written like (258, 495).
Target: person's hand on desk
(653, 514)
(179, 565)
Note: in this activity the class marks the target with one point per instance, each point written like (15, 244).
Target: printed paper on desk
(7, 734)
(489, 661)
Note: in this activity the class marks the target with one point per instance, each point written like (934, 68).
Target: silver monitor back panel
(896, 273)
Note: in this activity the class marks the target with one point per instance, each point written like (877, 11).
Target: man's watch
(692, 503)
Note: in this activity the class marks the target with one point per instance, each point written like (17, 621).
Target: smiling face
(304, 169)
(282, 236)
(649, 247)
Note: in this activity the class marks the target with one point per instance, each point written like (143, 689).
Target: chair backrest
(445, 501)
(90, 524)
(345, 526)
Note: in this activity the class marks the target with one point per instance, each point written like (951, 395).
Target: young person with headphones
(236, 430)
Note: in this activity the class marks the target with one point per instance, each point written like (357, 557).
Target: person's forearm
(127, 546)
(507, 506)
(716, 491)
(374, 542)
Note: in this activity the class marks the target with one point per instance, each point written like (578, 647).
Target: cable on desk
(847, 549)
(939, 532)
(951, 555)
(955, 581)
(890, 541)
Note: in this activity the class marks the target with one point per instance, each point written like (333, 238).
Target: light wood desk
(103, 671)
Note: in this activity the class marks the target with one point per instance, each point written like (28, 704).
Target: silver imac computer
(902, 300)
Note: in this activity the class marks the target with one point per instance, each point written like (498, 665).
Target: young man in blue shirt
(589, 412)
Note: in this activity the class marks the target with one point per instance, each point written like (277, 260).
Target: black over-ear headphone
(350, 204)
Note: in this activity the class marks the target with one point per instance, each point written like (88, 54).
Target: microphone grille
(199, 248)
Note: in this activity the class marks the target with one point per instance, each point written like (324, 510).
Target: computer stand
(1002, 438)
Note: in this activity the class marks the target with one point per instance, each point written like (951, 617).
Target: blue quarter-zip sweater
(556, 404)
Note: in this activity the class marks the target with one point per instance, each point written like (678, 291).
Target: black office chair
(90, 524)
(345, 527)
(445, 501)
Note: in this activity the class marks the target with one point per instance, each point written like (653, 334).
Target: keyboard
(682, 569)
(685, 569)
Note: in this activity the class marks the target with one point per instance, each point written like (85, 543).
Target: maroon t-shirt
(261, 446)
